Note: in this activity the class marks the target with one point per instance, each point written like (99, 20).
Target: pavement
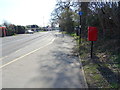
(46, 63)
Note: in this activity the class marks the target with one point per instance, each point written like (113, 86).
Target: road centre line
(7, 56)
(32, 37)
(27, 54)
(3, 58)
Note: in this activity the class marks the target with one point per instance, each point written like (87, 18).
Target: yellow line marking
(26, 54)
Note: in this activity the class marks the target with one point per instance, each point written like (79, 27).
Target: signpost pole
(80, 34)
(80, 14)
(80, 29)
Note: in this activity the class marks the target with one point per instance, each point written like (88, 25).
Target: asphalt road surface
(40, 60)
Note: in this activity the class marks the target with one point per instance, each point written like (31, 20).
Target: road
(40, 60)
(12, 44)
(17, 46)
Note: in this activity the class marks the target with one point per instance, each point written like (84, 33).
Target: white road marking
(7, 56)
(18, 50)
(26, 54)
(7, 43)
(3, 58)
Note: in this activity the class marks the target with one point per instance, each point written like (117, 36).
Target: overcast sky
(26, 12)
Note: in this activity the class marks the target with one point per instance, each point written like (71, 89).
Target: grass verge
(103, 70)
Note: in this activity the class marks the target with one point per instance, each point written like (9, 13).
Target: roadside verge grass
(103, 70)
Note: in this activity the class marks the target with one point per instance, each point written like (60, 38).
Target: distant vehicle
(2, 31)
(29, 31)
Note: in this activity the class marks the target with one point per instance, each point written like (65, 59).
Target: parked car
(29, 31)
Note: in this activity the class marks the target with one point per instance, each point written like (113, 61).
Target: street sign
(80, 13)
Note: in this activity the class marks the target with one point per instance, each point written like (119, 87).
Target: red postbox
(92, 33)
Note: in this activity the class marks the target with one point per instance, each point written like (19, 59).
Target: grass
(103, 69)
(117, 59)
(114, 85)
(93, 76)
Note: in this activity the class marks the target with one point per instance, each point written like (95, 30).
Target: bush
(10, 32)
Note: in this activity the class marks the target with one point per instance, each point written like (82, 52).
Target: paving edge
(86, 86)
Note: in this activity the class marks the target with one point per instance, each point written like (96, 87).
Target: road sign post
(80, 30)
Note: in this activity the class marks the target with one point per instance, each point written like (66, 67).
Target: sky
(26, 12)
